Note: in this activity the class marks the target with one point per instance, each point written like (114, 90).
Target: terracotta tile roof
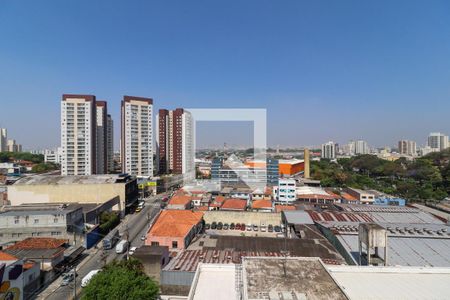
(202, 208)
(5, 256)
(316, 196)
(180, 200)
(175, 223)
(38, 243)
(261, 204)
(348, 197)
(219, 199)
(280, 208)
(234, 204)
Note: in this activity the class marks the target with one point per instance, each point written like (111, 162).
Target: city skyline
(319, 76)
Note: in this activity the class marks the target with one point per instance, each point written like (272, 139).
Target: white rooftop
(214, 281)
(386, 283)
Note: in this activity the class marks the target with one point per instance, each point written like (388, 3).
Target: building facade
(329, 150)
(361, 147)
(3, 140)
(406, 147)
(285, 191)
(78, 135)
(137, 136)
(109, 144)
(53, 156)
(13, 146)
(101, 138)
(175, 142)
(438, 141)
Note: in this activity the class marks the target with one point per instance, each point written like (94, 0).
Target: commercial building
(78, 135)
(364, 197)
(329, 150)
(101, 137)
(176, 142)
(317, 195)
(438, 141)
(286, 167)
(137, 136)
(41, 220)
(285, 191)
(53, 156)
(174, 229)
(75, 189)
(109, 144)
(408, 148)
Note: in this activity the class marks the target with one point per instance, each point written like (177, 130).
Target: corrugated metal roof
(297, 217)
(386, 283)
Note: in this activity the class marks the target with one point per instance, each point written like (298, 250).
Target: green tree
(121, 280)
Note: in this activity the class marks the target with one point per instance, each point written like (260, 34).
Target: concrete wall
(67, 193)
(242, 217)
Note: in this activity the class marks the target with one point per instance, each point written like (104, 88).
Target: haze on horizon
(324, 70)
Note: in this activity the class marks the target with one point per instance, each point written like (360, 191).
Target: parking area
(242, 229)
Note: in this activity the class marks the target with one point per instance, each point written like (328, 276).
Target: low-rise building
(262, 205)
(180, 201)
(234, 205)
(76, 189)
(175, 229)
(364, 197)
(285, 191)
(24, 221)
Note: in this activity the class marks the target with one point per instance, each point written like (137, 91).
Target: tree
(121, 280)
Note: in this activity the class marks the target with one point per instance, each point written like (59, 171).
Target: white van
(121, 247)
(88, 277)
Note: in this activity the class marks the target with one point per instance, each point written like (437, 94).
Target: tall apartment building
(438, 141)
(175, 142)
(13, 146)
(109, 144)
(329, 150)
(78, 134)
(3, 140)
(406, 147)
(137, 136)
(361, 147)
(101, 138)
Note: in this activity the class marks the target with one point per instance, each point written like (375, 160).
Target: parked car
(238, 226)
(68, 278)
(207, 226)
(213, 225)
(277, 228)
(132, 250)
(232, 226)
(255, 227)
(249, 227)
(219, 226)
(225, 226)
(242, 227)
(263, 227)
(270, 228)
(143, 237)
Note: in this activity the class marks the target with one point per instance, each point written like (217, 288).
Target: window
(174, 244)
(55, 220)
(155, 243)
(36, 221)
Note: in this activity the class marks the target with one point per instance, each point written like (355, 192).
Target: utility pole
(74, 282)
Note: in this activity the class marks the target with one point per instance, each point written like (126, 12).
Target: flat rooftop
(38, 209)
(63, 180)
(276, 278)
(206, 285)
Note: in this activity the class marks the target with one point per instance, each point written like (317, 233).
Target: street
(136, 224)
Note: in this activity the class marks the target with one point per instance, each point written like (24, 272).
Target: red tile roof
(175, 223)
(348, 197)
(180, 200)
(38, 243)
(257, 204)
(5, 256)
(280, 208)
(234, 204)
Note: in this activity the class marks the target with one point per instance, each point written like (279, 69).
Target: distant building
(109, 144)
(78, 132)
(364, 197)
(329, 150)
(361, 147)
(101, 138)
(406, 147)
(175, 138)
(13, 146)
(3, 140)
(137, 136)
(53, 156)
(438, 141)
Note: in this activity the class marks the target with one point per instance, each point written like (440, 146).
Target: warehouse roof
(65, 180)
(297, 217)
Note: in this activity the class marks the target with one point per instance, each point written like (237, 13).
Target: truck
(121, 247)
(111, 239)
(88, 277)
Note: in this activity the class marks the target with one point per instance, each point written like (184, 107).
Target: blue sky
(324, 70)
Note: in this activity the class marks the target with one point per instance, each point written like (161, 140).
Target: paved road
(137, 225)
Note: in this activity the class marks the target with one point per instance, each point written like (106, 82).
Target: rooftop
(38, 209)
(63, 180)
(258, 204)
(276, 278)
(180, 200)
(280, 208)
(7, 257)
(205, 282)
(175, 223)
(234, 204)
(297, 217)
(38, 243)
